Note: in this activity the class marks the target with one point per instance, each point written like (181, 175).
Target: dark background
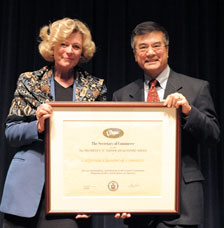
(196, 30)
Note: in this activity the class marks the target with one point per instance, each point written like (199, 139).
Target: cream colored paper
(129, 161)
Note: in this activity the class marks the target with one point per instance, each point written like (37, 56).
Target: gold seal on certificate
(113, 186)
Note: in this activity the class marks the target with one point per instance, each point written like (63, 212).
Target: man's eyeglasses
(155, 48)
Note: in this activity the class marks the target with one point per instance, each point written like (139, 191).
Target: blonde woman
(64, 43)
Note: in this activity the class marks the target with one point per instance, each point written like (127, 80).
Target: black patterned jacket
(33, 89)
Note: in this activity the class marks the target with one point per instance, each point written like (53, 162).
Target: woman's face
(67, 53)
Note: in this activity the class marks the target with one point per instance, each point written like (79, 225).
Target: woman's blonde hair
(58, 31)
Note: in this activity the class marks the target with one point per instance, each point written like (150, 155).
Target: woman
(65, 43)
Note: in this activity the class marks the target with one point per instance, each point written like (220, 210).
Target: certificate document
(112, 157)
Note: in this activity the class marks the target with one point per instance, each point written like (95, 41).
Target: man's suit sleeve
(202, 122)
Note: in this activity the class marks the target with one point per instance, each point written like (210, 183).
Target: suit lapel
(173, 84)
(88, 88)
(40, 87)
(136, 93)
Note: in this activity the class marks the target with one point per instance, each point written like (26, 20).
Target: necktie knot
(153, 83)
(152, 94)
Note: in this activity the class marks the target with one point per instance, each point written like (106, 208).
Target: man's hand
(123, 215)
(175, 100)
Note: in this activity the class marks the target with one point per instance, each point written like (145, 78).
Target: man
(150, 43)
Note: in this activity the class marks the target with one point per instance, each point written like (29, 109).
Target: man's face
(151, 53)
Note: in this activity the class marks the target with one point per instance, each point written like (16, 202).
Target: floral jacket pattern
(33, 89)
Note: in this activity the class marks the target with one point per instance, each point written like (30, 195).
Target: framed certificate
(112, 157)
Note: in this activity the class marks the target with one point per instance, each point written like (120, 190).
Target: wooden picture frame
(108, 157)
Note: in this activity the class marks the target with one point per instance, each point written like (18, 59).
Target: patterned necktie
(152, 94)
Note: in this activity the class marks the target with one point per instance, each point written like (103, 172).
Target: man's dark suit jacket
(200, 126)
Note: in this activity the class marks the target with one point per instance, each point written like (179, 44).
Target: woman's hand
(43, 112)
(78, 216)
